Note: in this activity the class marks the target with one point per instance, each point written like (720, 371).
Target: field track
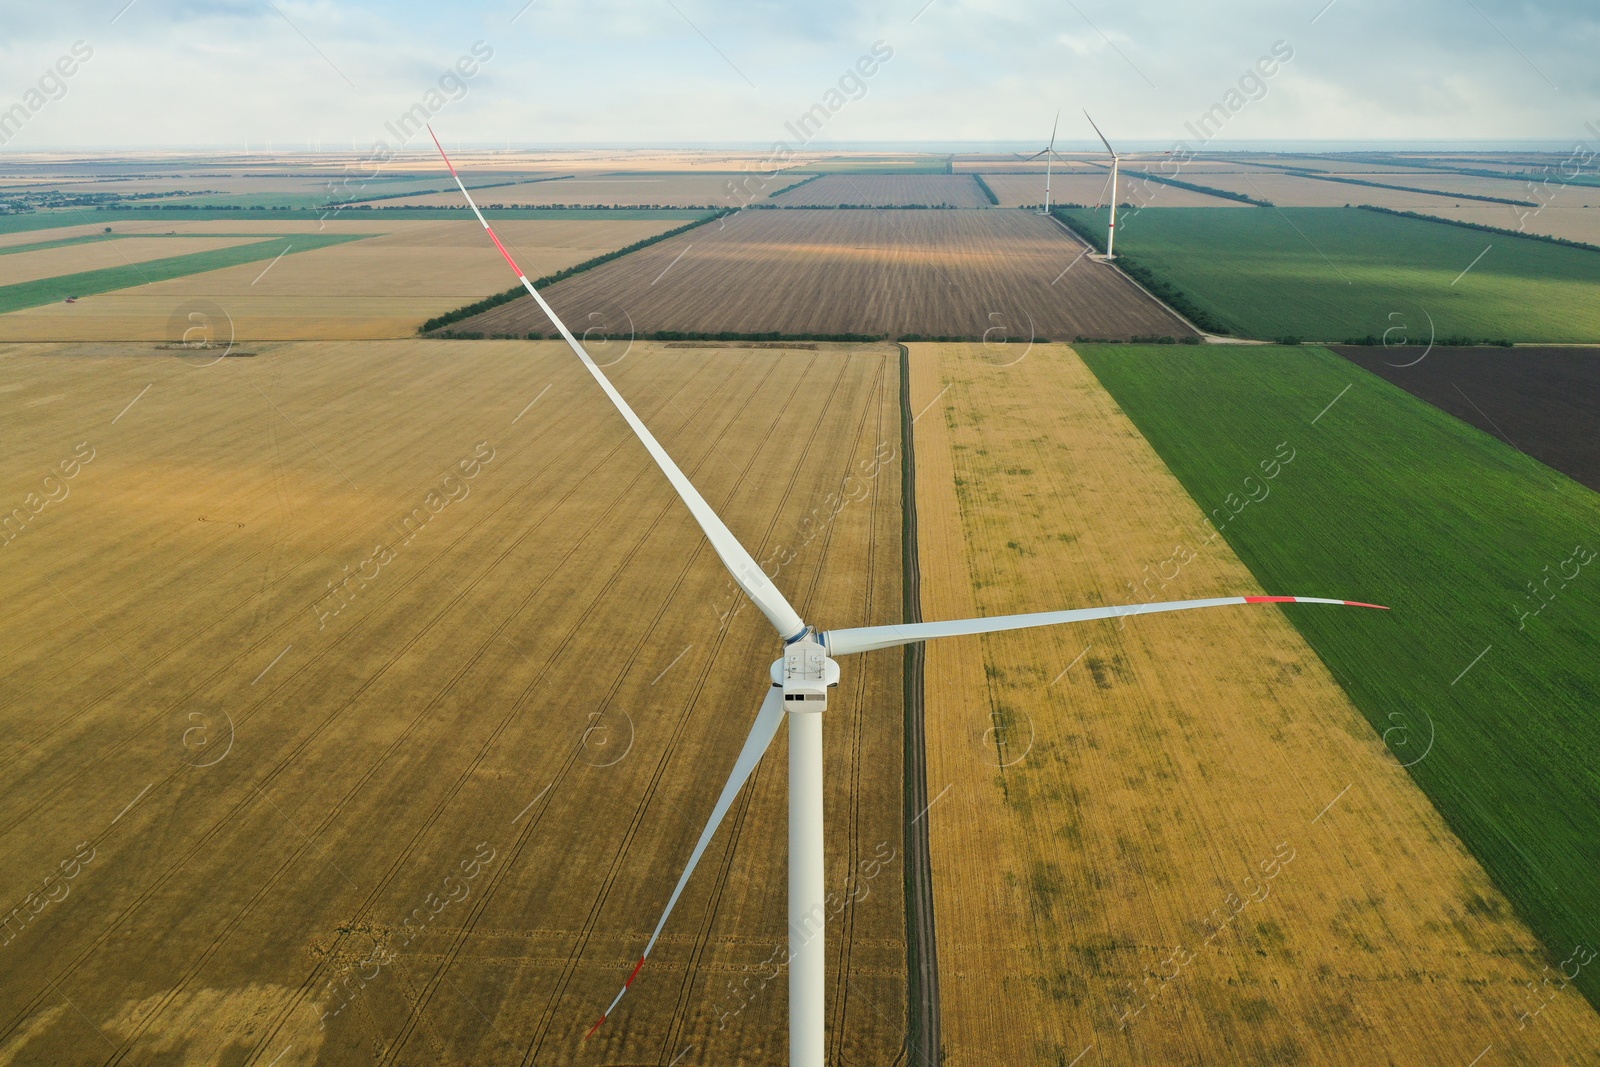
(971, 274)
(922, 943)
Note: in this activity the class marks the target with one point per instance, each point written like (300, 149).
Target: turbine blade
(746, 572)
(868, 638)
(1103, 187)
(1053, 126)
(755, 746)
(1102, 136)
(1027, 159)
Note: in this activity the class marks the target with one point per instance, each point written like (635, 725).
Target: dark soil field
(1542, 401)
(974, 275)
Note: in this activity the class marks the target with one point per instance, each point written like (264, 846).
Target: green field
(1334, 274)
(1390, 500)
(87, 283)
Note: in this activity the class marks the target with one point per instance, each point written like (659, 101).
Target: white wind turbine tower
(1111, 228)
(1049, 153)
(798, 691)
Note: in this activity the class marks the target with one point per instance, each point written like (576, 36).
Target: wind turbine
(1111, 228)
(1049, 153)
(798, 691)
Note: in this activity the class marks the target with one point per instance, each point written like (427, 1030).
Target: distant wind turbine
(1111, 228)
(798, 691)
(1049, 153)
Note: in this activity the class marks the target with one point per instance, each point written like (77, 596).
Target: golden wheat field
(1173, 841)
(375, 693)
(979, 274)
(384, 286)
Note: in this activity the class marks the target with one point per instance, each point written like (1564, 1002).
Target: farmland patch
(517, 716)
(1331, 274)
(1002, 276)
(886, 190)
(1538, 400)
(1174, 839)
(1484, 676)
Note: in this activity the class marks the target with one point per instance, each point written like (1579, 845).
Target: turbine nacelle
(805, 673)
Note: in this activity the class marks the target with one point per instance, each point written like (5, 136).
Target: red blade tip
(598, 1023)
(637, 967)
(1296, 600)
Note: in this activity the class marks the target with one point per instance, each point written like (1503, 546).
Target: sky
(734, 72)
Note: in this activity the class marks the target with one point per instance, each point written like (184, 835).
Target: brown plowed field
(1542, 401)
(304, 801)
(886, 190)
(863, 272)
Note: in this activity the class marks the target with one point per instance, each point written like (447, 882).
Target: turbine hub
(805, 673)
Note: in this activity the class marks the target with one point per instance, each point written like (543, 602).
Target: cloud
(193, 72)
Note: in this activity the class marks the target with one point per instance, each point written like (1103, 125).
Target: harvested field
(1359, 167)
(1013, 165)
(1447, 183)
(488, 756)
(1288, 190)
(1540, 401)
(865, 273)
(1177, 842)
(1018, 190)
(886, 190)
(1574, 215)
(384, 286)
(615, 190)
(1483, 687)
